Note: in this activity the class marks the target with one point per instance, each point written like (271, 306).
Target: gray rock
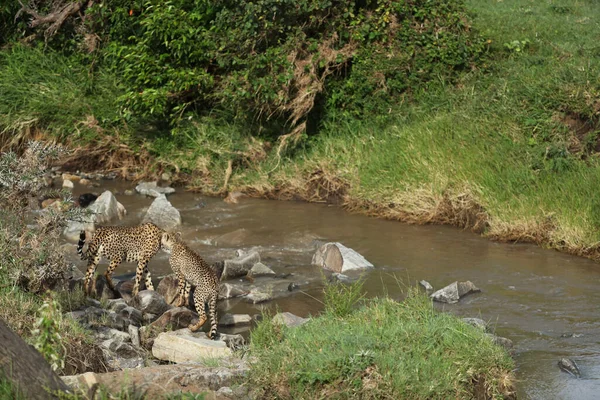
(175, 318)
(229, 291)
(149, 318)
(149, 302)
(104, 333)
(105, 209)
(256, 296)
(235, 319)
(240, 265)
(119, 354)
(132, 315)
(569, 366)
(162, 213)
(168, 288)
(336, 257)
(501, 341)
(454, 292)
(289, 319)
(477, 323)
(226, 392)
(293, 286)
(152, 189)
(426, 285)
(184, 346)
(116, 305)
(134, 333)
(335, 277)
(233, 342)
(260, 269)
(67, 184)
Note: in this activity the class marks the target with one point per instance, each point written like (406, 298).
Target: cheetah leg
(186, 294)
(91, 270)
(181, 285)
(142, 264)
(111, 268)
(148, 282)
(199, 300)
(212, 311)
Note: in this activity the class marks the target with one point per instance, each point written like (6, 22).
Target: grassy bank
(509, 151)
(382, 350)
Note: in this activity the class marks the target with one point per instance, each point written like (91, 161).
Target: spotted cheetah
(118, 244)
(191, 269)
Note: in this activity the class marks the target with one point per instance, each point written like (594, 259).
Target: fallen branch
(55, 18)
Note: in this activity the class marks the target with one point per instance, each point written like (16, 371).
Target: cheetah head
(168, 239)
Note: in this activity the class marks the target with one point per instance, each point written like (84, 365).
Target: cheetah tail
(80, 245)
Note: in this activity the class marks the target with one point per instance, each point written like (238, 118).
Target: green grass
(383, 349)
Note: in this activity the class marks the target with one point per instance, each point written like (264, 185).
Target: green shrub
(268, 59)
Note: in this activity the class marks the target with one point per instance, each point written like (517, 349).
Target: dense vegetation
(481, 114)
(381, 350)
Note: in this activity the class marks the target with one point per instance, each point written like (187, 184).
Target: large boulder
(184, 346)
(336, 257)
(152, 189)
(454, 292)
(162, 213)
(105, 209)
(240, 265)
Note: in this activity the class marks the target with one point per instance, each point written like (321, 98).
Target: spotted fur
(121, 243)
(191, 269)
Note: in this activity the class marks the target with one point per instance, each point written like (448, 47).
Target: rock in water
(454, 292)
(152, 189)
(162, 213)
(569, 366)
(339, 258)
(427, 286)
(86, 199)
(240, 266)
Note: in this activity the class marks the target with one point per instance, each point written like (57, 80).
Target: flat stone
(152, 189)
(183, 346)
(256, 296)
(289, 319)
(235, 319)
(70, 177)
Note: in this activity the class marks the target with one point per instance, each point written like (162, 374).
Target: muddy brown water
(544, 301)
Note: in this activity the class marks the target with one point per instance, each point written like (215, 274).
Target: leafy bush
(273, 58)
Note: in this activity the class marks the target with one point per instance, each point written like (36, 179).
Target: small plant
(517, 46)
(48, 340)
(341, 299)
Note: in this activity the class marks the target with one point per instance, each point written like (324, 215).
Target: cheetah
(118, 244)
(191, 269)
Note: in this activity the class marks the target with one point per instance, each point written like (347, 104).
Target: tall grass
(383, 350)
